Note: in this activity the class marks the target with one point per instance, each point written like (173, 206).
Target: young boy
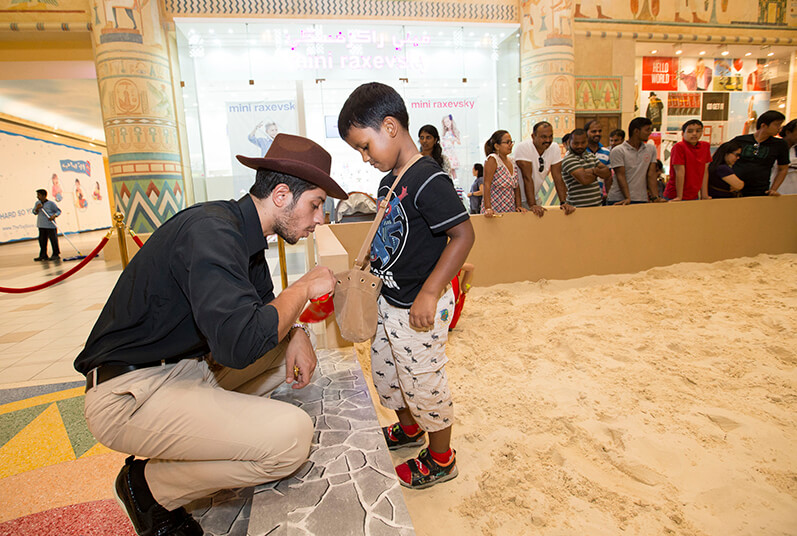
(420, 246)
(689, 162)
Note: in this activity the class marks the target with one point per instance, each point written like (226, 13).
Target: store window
(245, 82)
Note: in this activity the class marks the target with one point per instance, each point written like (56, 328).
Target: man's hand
(319, 281)
(773, 193)
(625, 201)
(674, 199)
(568, 208)
(538, 210)
(423, 311)
(299, 356)
(522, 210)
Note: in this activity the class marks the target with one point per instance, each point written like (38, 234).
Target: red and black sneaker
(425, 471)
(396, 438)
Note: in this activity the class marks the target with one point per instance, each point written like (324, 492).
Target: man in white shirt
(536, 158)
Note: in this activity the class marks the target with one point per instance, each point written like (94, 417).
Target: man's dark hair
(266, 180)
(540, 124)
(617, 133)
(588, 124)
(691, 122)
(369, 105)
(638, 123)
(769, 117)
(42, 191)
(578, 132)
(566, 139)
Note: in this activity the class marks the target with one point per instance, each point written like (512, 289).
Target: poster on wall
(251, 127)
(452, 118)
(715, 106)
(681, 107)
(695, 74)
(659, 73)
(745, 107)
(74, 179)
(654, 110)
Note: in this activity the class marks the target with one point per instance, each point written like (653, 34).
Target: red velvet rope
(61, 277)
(136, 239)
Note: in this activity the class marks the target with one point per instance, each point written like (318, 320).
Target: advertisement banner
(454, 118)
(715, 106)
(659, 73)
(251, 127)
(74, 179)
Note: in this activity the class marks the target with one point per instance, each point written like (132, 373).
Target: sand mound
(663, 402)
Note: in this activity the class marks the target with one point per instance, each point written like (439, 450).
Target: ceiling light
(749, 54)
(701, 53)
(653, 51)
(771, 54)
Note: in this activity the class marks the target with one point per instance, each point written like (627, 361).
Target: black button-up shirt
(200, 283)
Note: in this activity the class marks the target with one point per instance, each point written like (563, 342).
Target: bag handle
(359, 261)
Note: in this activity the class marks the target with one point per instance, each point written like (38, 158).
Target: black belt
(104, 373)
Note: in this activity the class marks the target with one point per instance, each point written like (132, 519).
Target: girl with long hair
(429, 141)
(722, 181)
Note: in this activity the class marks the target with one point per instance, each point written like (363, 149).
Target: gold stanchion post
(283, 264)
(119, 222)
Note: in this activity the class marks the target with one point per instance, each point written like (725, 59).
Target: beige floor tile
(32, 306)
(17, 336)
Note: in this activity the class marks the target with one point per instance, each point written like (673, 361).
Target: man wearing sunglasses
(537, 158)
(760, 150)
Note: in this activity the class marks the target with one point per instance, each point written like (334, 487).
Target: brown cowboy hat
(301, 157)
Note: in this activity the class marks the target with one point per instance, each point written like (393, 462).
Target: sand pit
(663, 402)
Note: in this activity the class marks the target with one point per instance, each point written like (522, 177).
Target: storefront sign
(659, 73)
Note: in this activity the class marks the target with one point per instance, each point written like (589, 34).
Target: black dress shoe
(37, 259)
(147, 516)
(55, 257)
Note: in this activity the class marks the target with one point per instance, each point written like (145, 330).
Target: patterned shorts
(408, 366)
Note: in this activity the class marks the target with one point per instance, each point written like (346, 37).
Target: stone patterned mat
(347, 487)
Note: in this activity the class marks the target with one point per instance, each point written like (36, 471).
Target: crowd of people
(588, 174)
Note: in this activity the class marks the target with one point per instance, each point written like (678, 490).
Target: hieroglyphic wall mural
(547, 65)
(133, 74)
(764, 13)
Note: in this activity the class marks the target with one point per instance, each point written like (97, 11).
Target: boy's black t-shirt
(755, 163)
(411, 237)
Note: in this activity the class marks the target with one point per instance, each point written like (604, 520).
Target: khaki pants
(203, 430)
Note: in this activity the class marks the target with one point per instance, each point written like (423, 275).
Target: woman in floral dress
(501, 185)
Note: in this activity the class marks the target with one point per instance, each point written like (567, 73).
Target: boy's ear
(390, 124)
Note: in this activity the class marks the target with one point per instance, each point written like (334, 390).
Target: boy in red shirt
(689, 162)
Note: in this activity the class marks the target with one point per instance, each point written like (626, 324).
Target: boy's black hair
(369, 105)
(788, 127)
(638, 123)
(266, 180)
(769, 117)
(42, 191)
(618, 132)
(690, 123)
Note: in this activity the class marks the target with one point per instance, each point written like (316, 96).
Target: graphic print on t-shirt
(389, 241)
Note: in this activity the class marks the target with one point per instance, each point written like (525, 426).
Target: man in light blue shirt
(46, 211)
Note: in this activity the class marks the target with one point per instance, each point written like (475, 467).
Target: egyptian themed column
(138, 112)
(546, 65)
